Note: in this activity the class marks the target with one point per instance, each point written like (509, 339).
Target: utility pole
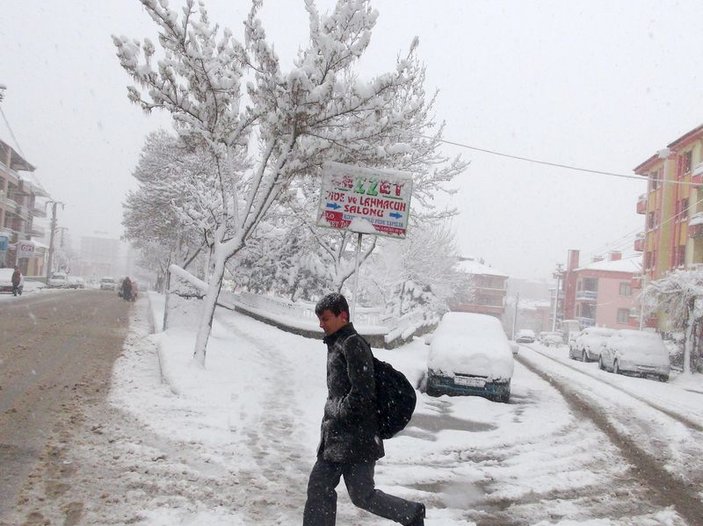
(517, 300)
(557, 274)
(52, 233)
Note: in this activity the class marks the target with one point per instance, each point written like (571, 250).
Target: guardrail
(299, 317)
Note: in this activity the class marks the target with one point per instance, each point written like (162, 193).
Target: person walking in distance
(16, 281)
(350, 444)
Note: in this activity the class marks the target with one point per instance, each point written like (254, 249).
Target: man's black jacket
(349, 425)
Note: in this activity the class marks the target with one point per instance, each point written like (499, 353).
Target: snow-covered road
(233, 444)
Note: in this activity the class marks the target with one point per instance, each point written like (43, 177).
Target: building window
(686, 161)
(623, 315)
(625, 289)
(590, 284)
(679, 256)
(651, 220)
(654, 181)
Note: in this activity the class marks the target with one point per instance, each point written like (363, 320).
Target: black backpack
(395, 399)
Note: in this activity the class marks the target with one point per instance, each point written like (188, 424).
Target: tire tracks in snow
(666, 489)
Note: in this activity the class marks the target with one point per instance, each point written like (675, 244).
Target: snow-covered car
(551, 338)
(76, 282)
(58, 280)
(525, 336)
(470, 355)
(108, 283)
(635, 352)
(6, 281)
(587, 345)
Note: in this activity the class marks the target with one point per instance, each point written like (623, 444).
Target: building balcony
(697, 176)
(37, 231)
(38, 212)
(642, 204)
(695, 226)
(6, 202)
(586, 295)
(639, 242)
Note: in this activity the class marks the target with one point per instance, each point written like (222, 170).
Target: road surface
(57, 349)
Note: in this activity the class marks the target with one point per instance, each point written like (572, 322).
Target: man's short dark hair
(333, 302)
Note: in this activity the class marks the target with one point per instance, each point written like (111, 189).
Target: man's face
(330, 323)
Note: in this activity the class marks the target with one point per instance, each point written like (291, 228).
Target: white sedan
(470, 355)
(635, 352)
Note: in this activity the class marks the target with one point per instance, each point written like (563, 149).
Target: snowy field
(252, 416)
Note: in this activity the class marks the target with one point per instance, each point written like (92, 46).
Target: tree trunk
(209, 303)
(688, 340)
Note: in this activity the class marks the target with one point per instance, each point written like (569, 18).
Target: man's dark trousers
(321, 506)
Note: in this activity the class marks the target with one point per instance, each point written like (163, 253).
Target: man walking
(16, 282)
(350, 445)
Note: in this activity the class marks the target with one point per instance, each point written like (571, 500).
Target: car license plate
(469, 381)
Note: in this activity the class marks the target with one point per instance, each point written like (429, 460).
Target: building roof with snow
(632, 265)
(478, 266)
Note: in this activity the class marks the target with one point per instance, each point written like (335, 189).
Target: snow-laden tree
(679, 295)
(158, 214)
(286, 124)
(417, 274)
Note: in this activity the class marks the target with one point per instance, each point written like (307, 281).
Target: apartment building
(673, 207)
(19, 190)
(600, 293)
(487, 289)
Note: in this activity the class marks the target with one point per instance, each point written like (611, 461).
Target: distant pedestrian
(16, 282)
(127, 289)
(350, 444)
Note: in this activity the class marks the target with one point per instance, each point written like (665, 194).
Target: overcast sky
(595, 84)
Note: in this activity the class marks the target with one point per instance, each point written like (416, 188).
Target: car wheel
(584, 356)
(601, 365)
(664, 378)
(616, 367)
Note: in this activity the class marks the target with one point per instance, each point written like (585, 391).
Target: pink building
(601, 292)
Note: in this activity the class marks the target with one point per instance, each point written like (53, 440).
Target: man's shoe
(419, 519)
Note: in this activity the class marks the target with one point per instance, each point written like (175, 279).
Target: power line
(623, 240)
(639, 178)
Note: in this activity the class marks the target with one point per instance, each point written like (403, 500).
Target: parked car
(76, 282)
(551, 338)
(470, 355)
(58, 280)
(6, 281)
(635, 352)
(587, 345)
(108, 283)
(525, 336)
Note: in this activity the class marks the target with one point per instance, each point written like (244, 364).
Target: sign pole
(356, 275)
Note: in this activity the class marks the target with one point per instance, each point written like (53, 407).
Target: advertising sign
(25, 249)
(365, 200)
(4, 241)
